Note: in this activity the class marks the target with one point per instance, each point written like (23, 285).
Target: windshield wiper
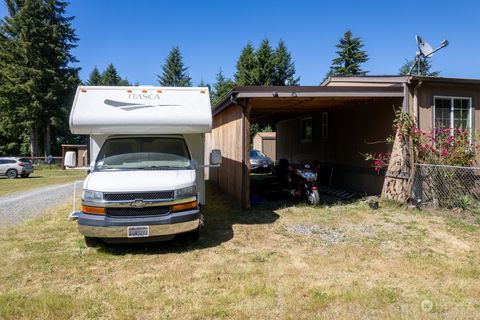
(156, 168)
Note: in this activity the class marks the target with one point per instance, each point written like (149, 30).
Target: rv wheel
(91, 242)
(194, 235)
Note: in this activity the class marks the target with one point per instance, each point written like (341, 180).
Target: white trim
(470, 115)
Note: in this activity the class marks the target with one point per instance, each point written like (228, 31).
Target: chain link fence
(448, 187)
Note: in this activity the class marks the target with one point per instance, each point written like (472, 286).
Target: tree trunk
(34, 141)
(47, 141)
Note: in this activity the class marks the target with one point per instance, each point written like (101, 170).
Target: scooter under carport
(295, 180)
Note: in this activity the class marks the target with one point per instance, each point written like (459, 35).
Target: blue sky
(137, 35)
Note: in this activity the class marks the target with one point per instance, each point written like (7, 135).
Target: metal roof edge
(303, 91)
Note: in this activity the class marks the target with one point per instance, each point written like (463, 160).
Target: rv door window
(144, 153)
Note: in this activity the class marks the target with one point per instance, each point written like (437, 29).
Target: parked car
(13, 167)
(260, 162)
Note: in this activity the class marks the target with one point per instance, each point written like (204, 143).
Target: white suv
(13, 167)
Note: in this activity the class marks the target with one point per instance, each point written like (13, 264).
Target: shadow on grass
(221, 213)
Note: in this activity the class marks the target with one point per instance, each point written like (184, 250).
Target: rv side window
(144, 153)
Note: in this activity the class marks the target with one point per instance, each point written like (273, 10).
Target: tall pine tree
(110, 77)
(174, 73)
(350, 57)
(36, 79)
(246, 67)
(265, 64)
(284, 67)
(95, 78)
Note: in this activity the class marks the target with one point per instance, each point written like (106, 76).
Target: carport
(333, 125)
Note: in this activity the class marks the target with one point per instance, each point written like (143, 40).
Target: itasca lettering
(136, 96)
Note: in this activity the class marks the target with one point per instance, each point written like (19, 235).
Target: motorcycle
(299, 181)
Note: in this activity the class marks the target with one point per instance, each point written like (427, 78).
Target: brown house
(335, 124)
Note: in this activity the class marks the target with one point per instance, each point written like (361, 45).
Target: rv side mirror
(215, 157)
(70, 160)
(91, 167)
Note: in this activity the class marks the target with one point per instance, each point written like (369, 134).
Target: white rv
(147, 178)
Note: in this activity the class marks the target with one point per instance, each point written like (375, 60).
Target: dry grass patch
(294, 262)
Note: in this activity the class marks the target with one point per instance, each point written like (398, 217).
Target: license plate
(265, 165)
(138, 231)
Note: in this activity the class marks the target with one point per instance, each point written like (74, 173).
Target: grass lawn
(40, 178)
(296, 262)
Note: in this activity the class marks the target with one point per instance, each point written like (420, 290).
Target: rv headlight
(186, 192)
(89, 195)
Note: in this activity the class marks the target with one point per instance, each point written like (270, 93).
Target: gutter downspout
(406, 98)
(415, 102)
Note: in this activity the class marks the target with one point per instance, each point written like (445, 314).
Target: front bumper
(97, 226)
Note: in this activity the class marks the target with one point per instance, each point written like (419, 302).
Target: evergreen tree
(284, 67)
(265, 64)
(36, 79)
(246, 67)
(110, 77)
(221, 87)
(95, 78)
(174, 72)
(350, 57)
(423, 67)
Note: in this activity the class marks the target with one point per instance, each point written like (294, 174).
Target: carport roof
(278, 97)
(334, 90)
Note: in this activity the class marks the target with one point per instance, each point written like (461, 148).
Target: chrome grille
(159, 195)
(137, 212)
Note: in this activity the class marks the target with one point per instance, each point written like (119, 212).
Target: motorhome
(148, 145)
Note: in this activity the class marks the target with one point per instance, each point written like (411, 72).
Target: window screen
(306, 128)
(325, 125)
(452, 112)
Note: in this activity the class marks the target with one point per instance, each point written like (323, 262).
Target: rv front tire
(91, 242)
(194, 235)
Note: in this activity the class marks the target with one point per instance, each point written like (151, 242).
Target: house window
(325, 125)
(453, 113)
(306, 127)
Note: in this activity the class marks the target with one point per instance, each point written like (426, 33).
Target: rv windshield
(144, 153)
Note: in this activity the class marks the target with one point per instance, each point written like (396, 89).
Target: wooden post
(246, 156)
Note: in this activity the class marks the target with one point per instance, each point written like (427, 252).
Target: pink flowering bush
(379, 160)
(439, 146)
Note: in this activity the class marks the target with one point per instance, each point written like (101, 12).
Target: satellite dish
(426, 51)
(425, 48)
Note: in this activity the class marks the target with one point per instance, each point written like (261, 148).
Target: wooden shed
(81, 151)
(265, 142)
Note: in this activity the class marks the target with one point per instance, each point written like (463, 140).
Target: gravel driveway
(20, 206)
